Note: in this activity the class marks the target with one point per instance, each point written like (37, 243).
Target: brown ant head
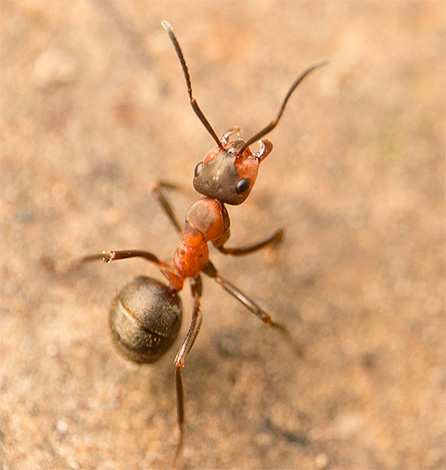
(228, 174)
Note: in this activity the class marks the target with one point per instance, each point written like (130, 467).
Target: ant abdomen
(145, 318)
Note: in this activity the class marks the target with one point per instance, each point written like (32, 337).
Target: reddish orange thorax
(206, 220)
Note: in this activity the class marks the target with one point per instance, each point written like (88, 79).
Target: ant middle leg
(121, 254)
(175, 281)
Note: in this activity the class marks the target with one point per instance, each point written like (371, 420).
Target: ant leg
(273, 239)
(211, 271)
(175, 281)
(158, 194)
(123, 254)
(107, 257)
(181, 357)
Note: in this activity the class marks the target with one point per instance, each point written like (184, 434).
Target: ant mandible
(145, 316)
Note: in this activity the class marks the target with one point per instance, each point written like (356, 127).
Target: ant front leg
(180, 358)
(211, 271)
(157, 192)
(273, 239)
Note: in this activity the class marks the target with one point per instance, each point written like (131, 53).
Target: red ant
(145, 316)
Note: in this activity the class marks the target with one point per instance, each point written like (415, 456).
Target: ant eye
(198, 169)
(242, 186)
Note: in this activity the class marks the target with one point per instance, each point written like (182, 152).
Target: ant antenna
(194, 104)
(274, 123)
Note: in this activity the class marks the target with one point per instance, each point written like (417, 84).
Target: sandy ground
(94, 108)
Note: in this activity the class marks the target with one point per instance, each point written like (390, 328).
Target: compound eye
(198, 169)
(242, 186)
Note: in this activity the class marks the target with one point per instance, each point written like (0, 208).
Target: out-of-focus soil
(94, 108)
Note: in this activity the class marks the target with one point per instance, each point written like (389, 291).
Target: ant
(145, 316)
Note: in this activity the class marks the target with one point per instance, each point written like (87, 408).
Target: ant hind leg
(180, 358)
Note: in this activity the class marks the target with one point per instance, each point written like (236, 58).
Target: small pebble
(62, 426)
(321, 461)
(53, 67)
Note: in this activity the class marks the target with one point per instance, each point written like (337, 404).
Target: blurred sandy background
(94, 108)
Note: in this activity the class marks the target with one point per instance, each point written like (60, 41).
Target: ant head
(228, 173)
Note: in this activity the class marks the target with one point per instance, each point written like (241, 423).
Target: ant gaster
(145, 316)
